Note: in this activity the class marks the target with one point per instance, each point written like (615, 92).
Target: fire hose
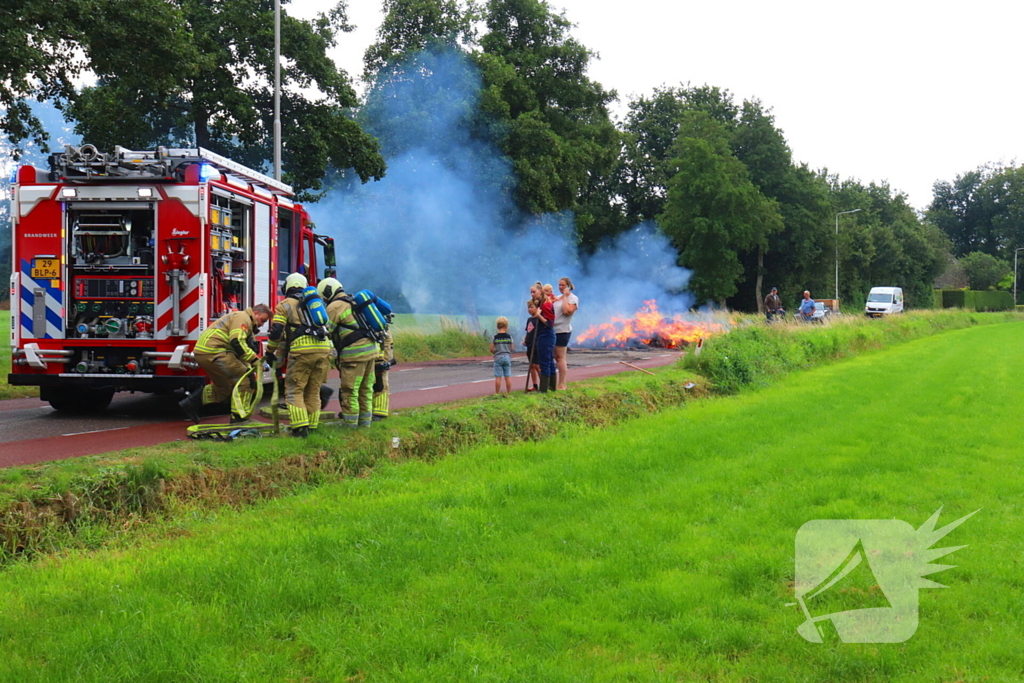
(244, 399)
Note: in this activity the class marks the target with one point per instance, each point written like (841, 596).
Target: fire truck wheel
(84, 401)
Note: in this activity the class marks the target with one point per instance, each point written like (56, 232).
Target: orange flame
(649, 327)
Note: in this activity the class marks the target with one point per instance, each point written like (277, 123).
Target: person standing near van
(807, 306)
(772, 304)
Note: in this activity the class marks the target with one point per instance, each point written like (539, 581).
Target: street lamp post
(277, 89)
(1015, 274)
(837, 247)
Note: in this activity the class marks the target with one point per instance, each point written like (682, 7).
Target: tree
(1003, 194)
(713, 211)
(964, 210)
(541, 109)
(412, 26)
(649, 131)
(984, 271)
(762, 148)
(56, 129)
(800, 256)
(216, 91)
(46, 47)
(37, 60)
(886, 243)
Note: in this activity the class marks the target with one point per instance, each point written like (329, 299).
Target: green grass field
(659, 550)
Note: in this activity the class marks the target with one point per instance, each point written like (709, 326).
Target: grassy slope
(659, 550)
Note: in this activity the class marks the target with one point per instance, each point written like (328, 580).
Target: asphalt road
(31, 431)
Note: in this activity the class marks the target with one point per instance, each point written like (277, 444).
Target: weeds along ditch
(437, 338)
(88, 502)
(754, 354)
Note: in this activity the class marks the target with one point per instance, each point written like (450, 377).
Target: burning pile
(647, 327)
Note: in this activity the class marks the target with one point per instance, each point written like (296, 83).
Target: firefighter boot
(301, 432)
(545, 384)
(235, 419)
(191, 404)
(325, 395)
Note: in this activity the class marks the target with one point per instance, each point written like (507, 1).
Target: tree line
(716, 175)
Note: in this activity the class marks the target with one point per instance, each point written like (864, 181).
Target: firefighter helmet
(328, 288)
(294, 281)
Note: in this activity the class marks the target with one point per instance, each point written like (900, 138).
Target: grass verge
(754, 354)
(659, 550)
(6, 390)
(450, 339)
(86, 502)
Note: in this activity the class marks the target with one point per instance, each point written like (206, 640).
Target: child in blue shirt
(501, 347)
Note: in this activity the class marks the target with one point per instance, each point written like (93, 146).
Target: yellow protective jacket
(342, 322)
(232, 332)
(287, 327)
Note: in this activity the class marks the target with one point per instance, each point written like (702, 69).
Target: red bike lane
(100, 441)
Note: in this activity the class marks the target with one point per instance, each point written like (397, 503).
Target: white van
(884, 301)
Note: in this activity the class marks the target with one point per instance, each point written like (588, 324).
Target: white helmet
(328, 288)
(294, 281)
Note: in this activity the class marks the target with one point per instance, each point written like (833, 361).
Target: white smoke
(441, 229)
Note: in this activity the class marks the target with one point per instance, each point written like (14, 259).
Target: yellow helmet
(294, 281)
(328, 288)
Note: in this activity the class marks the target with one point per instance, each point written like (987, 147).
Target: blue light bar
(208, 172)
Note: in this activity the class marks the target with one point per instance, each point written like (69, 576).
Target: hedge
(976, 300)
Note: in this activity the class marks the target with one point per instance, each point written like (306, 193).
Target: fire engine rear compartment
(111, 262)
(110, 258)
(122, 260)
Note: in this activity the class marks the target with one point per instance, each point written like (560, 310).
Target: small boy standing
(501, 347)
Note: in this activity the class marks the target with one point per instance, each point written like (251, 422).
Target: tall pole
(277, 89)
(837, 248)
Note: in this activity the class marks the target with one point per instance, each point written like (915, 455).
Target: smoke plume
(441, 232)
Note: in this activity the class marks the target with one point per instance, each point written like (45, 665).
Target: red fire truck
(121, 260)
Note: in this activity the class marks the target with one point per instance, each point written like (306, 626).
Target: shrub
(753, 355)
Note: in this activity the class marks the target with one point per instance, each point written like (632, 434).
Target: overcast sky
(906, 91)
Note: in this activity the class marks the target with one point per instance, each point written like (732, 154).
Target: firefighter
(308, 350)
(224, 351)
(357, 351)
(385, 359)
